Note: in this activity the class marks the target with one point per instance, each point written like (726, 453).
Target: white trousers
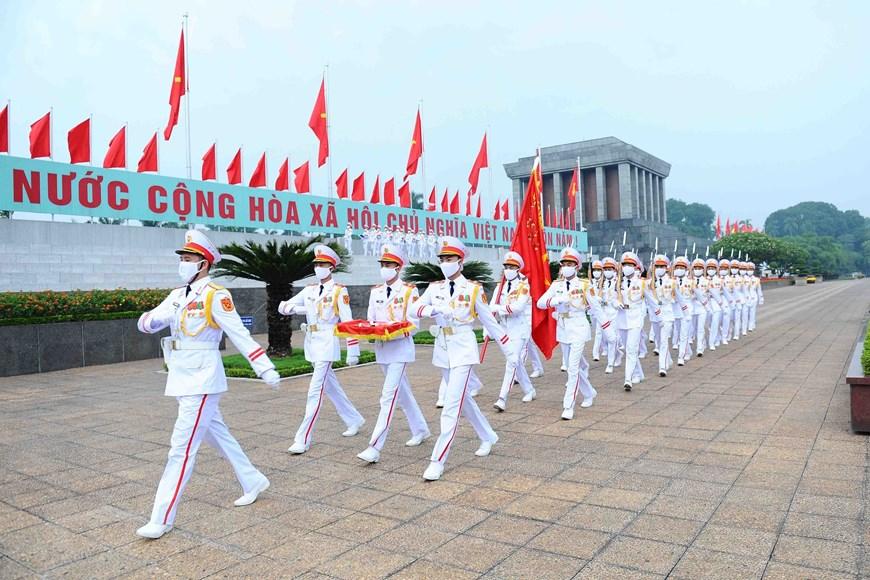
(578, 375)
(474, 385)
(715, 317)
(324, 382)
(516, 372)
(684, 351)
(199, 419)
(458, 400)
(397, 391)
(726, 322)
(737, 319)
(700, 323)
(631, 340)
(665, 328)
(753, 308)
(535, 357)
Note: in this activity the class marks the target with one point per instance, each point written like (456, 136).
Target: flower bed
(865, 356)
(46, 307)
(237, 366)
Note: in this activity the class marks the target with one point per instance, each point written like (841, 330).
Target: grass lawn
(423, 336)
(237, 366)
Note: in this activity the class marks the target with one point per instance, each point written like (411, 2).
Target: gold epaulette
(216, 286)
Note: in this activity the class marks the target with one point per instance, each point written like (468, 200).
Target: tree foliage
(779, 254)
(695, 219)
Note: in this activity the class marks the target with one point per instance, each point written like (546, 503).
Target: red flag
(376, 191)
(505, 210)
(209, 163)
(479, 163)
(359, 188)
(734, 227)
(116, 156)
(4, 130)
(148, 161)
(405, 195)
(454, 204)
(282, 183)
(341, 185)
(530, 244)
(258, 177)
(301, 179)
(573, 188)
(390, 191)
(496, 214)
(445, 201)
(79, 141)
(728, 226)
(430, 206)
(416, 147)
(477, 213)
(468, 203)
(718, 227)
(318, 124)
(234, 169)
(179, 88)
(40, 137)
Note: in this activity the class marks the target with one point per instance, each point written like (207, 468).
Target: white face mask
(747, 273)
(187, 270)
(568, 271)
(660, 272)
(449, 268)
(322, 272)
(628, 270)
(698, 272)
(711, 271)
(387, 274)
(679, 272)
(734, 271)
(510, 274)
(609, 274)
(596, 274)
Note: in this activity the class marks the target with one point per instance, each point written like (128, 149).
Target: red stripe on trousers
(317, 410)
(392, 406)
(184, 463)
(458, 415)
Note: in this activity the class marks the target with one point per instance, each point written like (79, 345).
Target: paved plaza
(740, 465)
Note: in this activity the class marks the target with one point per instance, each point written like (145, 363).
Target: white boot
(485, 448)
(298, 448)
(370, 455)
(499, 405)
(353, 429)
(433, 472)
(417, 439)
(251, 496)
(568, 414)
(536, 374)
(153, 531)
(530, 396)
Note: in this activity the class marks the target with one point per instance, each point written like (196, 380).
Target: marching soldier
(596, 278)
(685, 296)
(664, 292)
(393, 301)
(700, 305)
(739, 298)
(534, 359)
(512, 305)
(727, 299)
(570, 296)
(198, 314)
(348, 239)
(756, 296)
(716, 303)
(454, 304)
(632, 296)
(610, 310)
(324, 304)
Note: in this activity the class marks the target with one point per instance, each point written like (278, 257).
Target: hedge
(865, 356)
(49, 306)
(235, 365)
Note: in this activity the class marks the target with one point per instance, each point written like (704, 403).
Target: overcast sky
(757, 105)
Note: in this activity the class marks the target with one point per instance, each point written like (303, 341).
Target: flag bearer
(756, 296)
(198, 314)
(727, 299)
(570, 296)
(716, 302)
(393, 301)
(324, 304)
(512, 305)
(455, 303)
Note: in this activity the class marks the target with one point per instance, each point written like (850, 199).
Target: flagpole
(91, 139)
(422, 151)
(187, 92)
(489, 170)
(329, 189)
(580, 191)
(50, 140)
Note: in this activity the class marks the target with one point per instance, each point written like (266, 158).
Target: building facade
(617, 180)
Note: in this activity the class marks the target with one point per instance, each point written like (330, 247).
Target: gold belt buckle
(312, 328)
(447, 331)
(175, 344)
(565, 315)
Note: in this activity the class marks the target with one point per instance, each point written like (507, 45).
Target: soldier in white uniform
(665, 293)
(700, 305)
(455, 304)
(512, 305)
(348, 239)
(393, 301)
(685, 297)
(324, 304)
(716, 303)
(727, 300)
(366, 240)
(432, 242)
(596, 278)
(739, 299)
(198, 314)
(756, 296)
(610, 308)
(570, 296)
(632, 293)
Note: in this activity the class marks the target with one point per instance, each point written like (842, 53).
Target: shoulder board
(337, 285)
(216, 286)
(378, 286)
(409, 285)
(474, 283)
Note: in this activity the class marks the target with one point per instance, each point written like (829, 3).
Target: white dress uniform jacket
(396, 307)
(324, 306)
(569, 300)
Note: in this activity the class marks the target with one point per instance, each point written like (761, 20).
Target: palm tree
(424, 273)
(279, 266)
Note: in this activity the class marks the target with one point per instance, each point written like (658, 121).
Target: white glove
(558, 299)
(285, 308)
(443, 310)
(498, 309)
(272, 378)
(351, 360)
